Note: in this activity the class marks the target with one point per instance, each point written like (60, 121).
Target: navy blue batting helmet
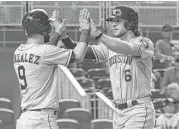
(36, 22)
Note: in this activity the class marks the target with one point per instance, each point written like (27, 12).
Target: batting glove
(84, 20)
(94, 31)
(58, 24)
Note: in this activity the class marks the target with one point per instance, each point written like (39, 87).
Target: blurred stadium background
(86, 82)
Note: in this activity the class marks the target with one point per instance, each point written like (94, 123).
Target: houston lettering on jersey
(26, 57)
(120, 59)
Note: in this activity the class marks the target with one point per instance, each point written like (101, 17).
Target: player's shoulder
(170, 69)
(159, 41)
(48, 47)
(19, 49)
(53, 49)
(145, 42)
(144, 39)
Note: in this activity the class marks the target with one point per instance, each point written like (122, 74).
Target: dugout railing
(97, 103)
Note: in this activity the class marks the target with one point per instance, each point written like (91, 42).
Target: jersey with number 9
(36, 69)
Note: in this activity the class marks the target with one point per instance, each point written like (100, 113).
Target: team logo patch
(117, 12)
(144, 43)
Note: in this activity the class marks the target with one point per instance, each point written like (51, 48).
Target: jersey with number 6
(130, 76)
(35, 66)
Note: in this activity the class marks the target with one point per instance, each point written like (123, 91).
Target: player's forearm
(54, 39)
(81, 48)
(119, 46)
(160, 55)
(69, 43)
(80, 51)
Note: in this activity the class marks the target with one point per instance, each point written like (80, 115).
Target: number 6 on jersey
(128, 76)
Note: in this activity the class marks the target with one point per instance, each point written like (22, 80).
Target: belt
(130, 103)
(125, 104)
(42, 109)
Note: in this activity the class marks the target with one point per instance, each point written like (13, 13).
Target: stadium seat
(104, 82)
(83, 116)
(65, 104)
(157, 64)
(86, 83)
(109, 94)
(6, 116)
(97, 73)
(106, 89)
(159, 103)
(77, 72)
(101, 124)
(5, 103)
(161, 71)
(156, 94)
(67, 124)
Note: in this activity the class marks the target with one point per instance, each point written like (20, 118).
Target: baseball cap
(166, 28)
(123, 12)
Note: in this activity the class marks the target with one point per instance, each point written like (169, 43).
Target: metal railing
(69, 88)
(151, 14)
(11, 14)
(97, 103)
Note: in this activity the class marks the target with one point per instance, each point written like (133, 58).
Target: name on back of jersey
(26, 57)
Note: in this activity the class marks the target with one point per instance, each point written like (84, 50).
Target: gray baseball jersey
(35, 66)
(130, 76)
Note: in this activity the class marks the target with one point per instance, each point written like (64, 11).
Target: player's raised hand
(94, 31)
(62, 28)
(58, 24)
(84, 19)
(53, 20)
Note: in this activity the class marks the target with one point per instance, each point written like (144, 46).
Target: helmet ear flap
(45, 28)
(36, 22)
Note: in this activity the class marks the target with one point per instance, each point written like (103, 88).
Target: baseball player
(129, 57)
(35, 64)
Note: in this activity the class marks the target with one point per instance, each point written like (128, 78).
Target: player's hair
(132, 23)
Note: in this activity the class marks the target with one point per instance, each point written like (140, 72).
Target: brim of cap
(167, 30)
(112, 18)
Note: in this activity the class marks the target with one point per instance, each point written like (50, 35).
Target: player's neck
(35, 39)
(128, 36)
